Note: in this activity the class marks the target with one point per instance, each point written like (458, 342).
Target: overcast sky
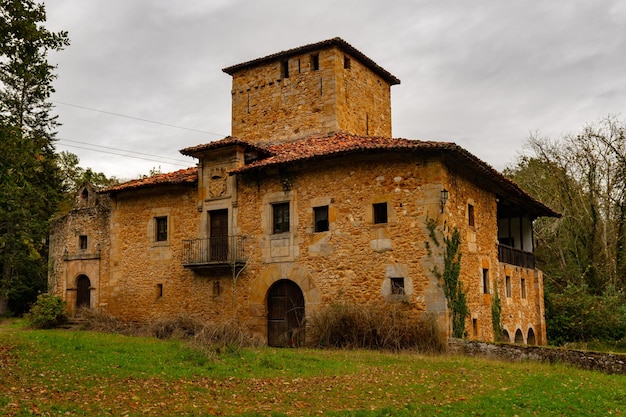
(483, 74)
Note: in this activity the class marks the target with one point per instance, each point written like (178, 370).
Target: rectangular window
(315, 62)
(508, 286)
(485, 281)
(82, 242)
(160, 226)
(320, 215)
(280, 215)
(346, 62)
(397, 286)
(470, 214)
(380, 213)
(285, 69)
(159, 290)
(523, 287)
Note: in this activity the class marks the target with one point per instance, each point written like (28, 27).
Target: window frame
(471, 215)
(280, 224)
(377, 214)
(320, 215)
(486, 281)
(523, 293)
(83, 242)
(397, 285)
(161, 228)
(507, 286)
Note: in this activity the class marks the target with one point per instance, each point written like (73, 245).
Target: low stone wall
(604, 362)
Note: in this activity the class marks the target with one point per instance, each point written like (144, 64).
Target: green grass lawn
(74, 373)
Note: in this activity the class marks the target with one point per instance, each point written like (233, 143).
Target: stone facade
(286, 212)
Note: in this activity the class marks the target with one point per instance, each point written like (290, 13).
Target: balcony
(214, 252)
(512, 256)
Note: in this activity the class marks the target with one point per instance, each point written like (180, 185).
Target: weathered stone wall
(67, 261)
(356, 258)
(147, 279)
(267, 106)
(597, 361)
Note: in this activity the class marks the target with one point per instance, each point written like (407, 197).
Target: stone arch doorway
(505, 336)
(285, 317)
(531, 337)
(83, 292)
(519, 337)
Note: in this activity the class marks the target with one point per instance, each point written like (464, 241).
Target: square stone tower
(319, 88)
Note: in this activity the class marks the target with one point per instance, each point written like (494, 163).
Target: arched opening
(531, 337)
(285, 318)
(83, 292)
(519, 337)
(505, 336)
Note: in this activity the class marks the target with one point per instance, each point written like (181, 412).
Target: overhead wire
(137, 118)
(134, 154)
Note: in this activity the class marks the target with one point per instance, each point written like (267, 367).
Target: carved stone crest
(217, 182)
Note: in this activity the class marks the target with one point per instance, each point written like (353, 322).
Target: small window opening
(159, 290)
(217, 288)
(161, 228)
(523, 287)
(82, 242)
(320, 215)
(508, 286)
(485, 281)
(315, 62)
(380, 213)
(470, 214)
(280, 217)
(85, 194)
(475, 327)
(285, 69)
(346, 62)
(299, 70)
(397, 286)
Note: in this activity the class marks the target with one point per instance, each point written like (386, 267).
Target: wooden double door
(285, 319)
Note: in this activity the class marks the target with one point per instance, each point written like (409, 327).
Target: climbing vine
(496, 316)
(452, 285)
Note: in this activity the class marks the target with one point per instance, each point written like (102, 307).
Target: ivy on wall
(450, 276)
(496, 316)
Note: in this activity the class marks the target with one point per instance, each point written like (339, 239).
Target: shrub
(47, 312)
(374, 326)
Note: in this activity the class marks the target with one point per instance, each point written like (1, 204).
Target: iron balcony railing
(214, 251)
(512, 256)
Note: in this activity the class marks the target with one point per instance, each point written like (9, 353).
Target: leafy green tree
(582, 254)
(29, 176)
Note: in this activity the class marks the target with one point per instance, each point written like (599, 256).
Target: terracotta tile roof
(223, 143)
(339, 144)
(183, 176)
(336, 42)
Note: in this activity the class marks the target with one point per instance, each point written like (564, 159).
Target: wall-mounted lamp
(444, 198)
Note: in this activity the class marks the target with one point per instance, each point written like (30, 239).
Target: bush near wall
(390, 326)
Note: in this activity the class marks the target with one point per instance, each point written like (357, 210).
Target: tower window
(315, 62)
(346, 62)
(285, 69)
(470, 215)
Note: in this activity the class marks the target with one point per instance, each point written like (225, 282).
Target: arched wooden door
(83, 292)
(285, 318)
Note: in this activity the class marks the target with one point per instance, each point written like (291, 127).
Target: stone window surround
(393, 272)
(152, 226)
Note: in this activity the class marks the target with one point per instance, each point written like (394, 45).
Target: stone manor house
(309, 202)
